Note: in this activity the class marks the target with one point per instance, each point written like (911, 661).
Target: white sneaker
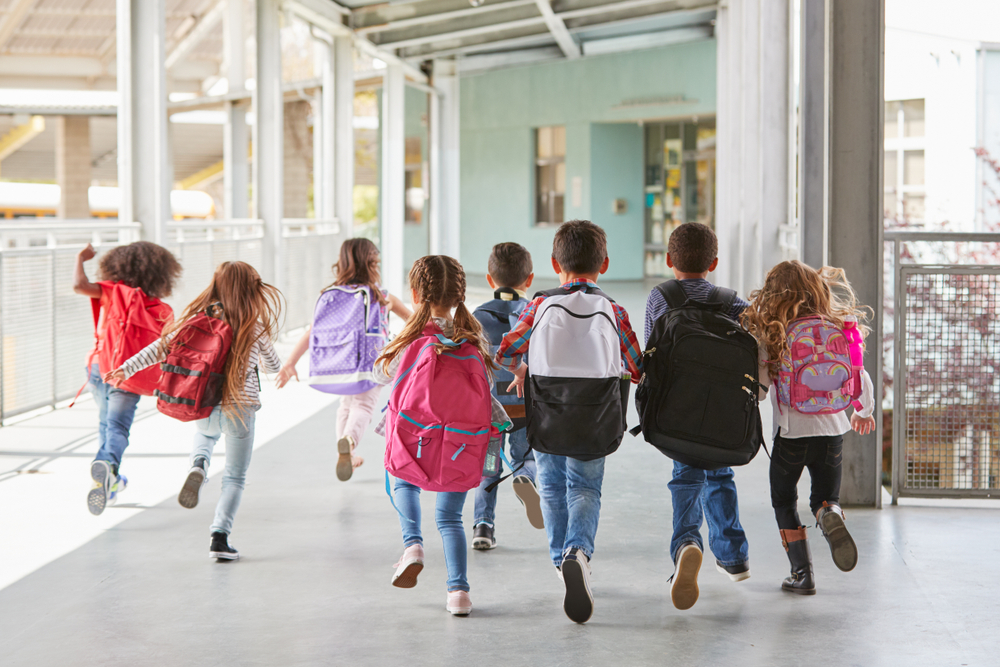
(409, 566)
(527, 493)
(191, 491)
(579, 601)
(684, 583)
(459, 603)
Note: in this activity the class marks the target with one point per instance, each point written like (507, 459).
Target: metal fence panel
(28, 336)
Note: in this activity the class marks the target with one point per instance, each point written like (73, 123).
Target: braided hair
(438, 281)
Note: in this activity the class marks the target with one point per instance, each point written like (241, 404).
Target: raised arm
(82, 284)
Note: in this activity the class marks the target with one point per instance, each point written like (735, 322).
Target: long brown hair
(246, 301)
(793, 290)
(358, 265)
(439, 281)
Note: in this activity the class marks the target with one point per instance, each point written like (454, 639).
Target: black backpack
(697, 399)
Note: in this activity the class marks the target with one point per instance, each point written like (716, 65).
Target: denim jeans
(448, 514)
(239, 447)
(571, 502)
(486, 502)
(115, 410)
(711, 494)
(823, 455)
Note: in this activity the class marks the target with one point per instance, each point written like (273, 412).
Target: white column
(445, 177)
(268, 133)
(235, 138)
(813, 133)
(144, 174)
(73, 166)
(343, 134)
(391, 212)
(728, 194)
(776, 165)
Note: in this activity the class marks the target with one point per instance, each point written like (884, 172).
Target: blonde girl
(251, 307)
(791, 291)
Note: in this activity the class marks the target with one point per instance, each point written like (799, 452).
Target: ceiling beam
(12, 20)
(556, 26)
(440, 16)
(198, 32)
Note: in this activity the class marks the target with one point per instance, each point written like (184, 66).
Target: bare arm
(82, 284)
(397, 307)
(287, 371)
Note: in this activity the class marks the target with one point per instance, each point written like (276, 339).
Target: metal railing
(311, 248)
(946, 366)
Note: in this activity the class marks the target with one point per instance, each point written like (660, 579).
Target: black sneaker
(739, 572)
(579, 601)
(220, 547)
(482, 537)
(188, 497)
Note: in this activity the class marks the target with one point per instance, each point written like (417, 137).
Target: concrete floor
(313, 587)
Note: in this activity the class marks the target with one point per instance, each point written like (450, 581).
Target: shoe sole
(483, 544)
(842, 546)
(684, 589)
(188, 497)
(408, 577)
(742, 576)
(222, 555)
(799, 591)
(532, 502)
(97, 499)
(579, 602)
(459, 611)
(345, 468)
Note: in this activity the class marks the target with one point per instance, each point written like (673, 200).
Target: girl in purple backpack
(809, 423)
(356, 269)
(438, 287)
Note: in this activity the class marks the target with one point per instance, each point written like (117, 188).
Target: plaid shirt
(515, 343)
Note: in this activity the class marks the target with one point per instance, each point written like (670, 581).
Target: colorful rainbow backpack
(822, 374)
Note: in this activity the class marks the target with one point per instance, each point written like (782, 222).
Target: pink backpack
(438, 420)
(822, 374)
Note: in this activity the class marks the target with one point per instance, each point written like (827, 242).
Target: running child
(810, 422)
(142, 274)
(437, 286)
(510, 275)
(357, 275)
(598, 362)
(251, 308)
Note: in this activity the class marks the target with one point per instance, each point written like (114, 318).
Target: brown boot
(801, 580)
(830, 519)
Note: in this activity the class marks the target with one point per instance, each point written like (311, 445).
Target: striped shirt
(515, 344)
(697, 289)
(261, 352)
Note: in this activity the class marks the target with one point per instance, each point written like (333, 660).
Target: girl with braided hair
(437, 285)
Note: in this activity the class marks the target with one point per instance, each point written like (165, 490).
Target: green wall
(600, 101)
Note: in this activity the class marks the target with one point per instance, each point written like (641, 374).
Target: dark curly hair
(692, 247)
(150, 267)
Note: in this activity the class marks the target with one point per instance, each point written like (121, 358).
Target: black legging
(823, 455)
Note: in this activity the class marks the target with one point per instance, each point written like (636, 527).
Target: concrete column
(144, 173)
(813, 134)
(297, 153)
(343, 135)
(775, 117)
(73, 166)
(857, 55)
(391, 211)
(235, 141)
(268, 131)
(445, 178)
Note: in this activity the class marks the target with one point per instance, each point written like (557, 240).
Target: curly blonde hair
(793, 290)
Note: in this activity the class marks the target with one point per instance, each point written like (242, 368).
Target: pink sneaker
(409, 566)
(459, 603)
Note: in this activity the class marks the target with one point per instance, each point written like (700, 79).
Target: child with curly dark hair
(134, 279)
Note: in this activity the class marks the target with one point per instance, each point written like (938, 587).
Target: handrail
(216, 224)
(980, 237)
(70, 225)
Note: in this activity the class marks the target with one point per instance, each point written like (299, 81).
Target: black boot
(801, 580)
(830, 519)
(221, 549)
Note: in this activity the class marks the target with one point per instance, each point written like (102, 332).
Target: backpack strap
(673, 293)
(588, 288)
(723, 296)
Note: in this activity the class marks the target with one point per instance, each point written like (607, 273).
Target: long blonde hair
(793, 290)
(246, 301)
(439, 281)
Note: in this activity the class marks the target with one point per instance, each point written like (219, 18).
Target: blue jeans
(486, 502)
(115, 410)
(239, 447)
(571, 502)
(712, 494)
(448, 514)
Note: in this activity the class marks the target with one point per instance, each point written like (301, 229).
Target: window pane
(913, 168)
(557, 206)
(889, 203)
(892, 120)
(913, 206)
(889, 167)
(913, 118)
(559, 141)
(690, 136)
(544, 142)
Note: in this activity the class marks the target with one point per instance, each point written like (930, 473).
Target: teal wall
(500, 110)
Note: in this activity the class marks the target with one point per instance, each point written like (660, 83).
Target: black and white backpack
(697, 399)
(575, 395)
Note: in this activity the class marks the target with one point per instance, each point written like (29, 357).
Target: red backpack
(132, 321)
(192, 380)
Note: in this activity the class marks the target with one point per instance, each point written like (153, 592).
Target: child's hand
(284, 375)
(863, 425)
(88, 253)
(114, 378)
(518, 382)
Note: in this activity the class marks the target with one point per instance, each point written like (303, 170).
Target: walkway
(135, 587)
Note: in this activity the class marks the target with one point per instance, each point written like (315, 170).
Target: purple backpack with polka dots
(347, 336)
